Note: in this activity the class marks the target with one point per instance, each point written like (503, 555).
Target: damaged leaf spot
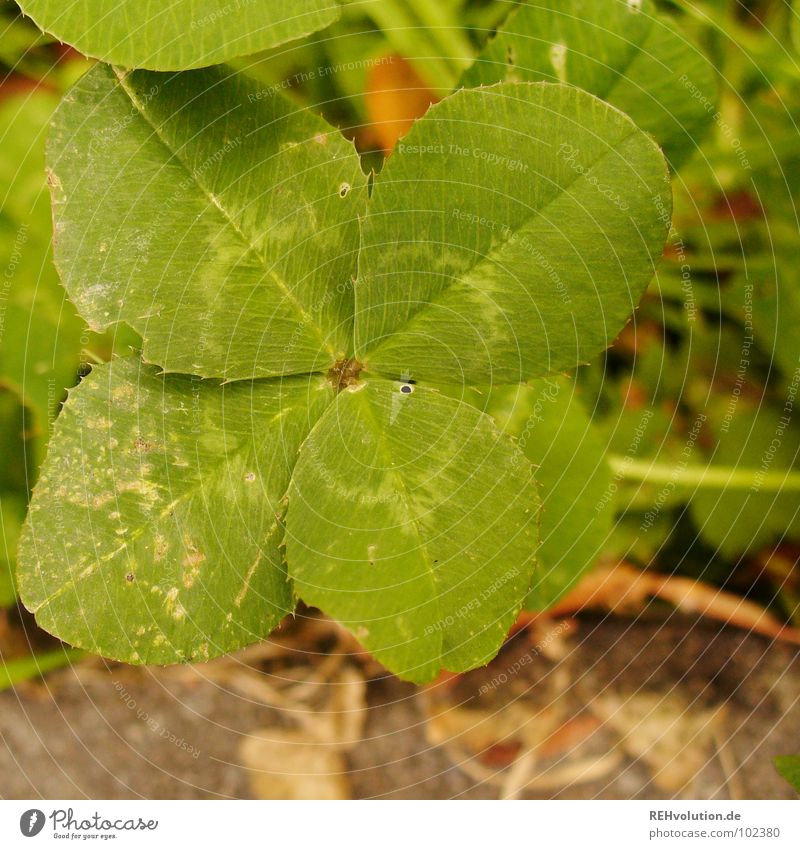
(344, 373)
(142, 445)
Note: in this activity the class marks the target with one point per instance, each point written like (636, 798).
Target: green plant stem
(22, 669)
(708, 477)
(445, 31)
(408, 38)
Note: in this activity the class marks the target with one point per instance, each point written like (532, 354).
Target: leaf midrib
(196, 488)
(386, 454)
(305, 317)
(497, 249)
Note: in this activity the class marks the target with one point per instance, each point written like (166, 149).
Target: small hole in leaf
(344, 190)
(250, 476)
(129, 577)
(407, 388)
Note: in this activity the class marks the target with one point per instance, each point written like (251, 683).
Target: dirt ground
(610, 708)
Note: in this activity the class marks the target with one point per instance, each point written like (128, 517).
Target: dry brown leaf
(569, 736)
(395, 97)
(519, 776)
(623, 588)
(477, 731)
(615, 588)
(328, 703)
(290, 764)
(347, 708)
(695, 597)
(527, 775)
(473, 739)
(673, 738)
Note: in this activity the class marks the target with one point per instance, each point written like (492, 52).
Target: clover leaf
(283, 435)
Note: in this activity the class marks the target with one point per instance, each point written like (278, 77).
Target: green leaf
(40, 332)
(14, 480)
(23, 123)
(619, 50)
(12, 512)
(170, 35)
(789, 767)
(412, 520)
(153, 534)
(18, 46)
(212, 216)
(557, 436)
(14, 470)
(510, 236)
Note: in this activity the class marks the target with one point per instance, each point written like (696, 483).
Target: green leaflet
(168, 35)
(412, 520)
(153, 534)
(619, 50)
(511, 236)
(556, 434)
(210, 215)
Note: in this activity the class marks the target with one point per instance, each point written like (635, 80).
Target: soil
(568, 710)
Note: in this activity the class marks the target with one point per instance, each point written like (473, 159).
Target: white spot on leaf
(558, 59)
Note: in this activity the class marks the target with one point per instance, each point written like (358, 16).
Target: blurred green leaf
(40, 332)
(21, 43)
(12, 512)
(554, 431)
(619, 50)
(14, 483)
(757, 497)
(16, 671)
(789, 767)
